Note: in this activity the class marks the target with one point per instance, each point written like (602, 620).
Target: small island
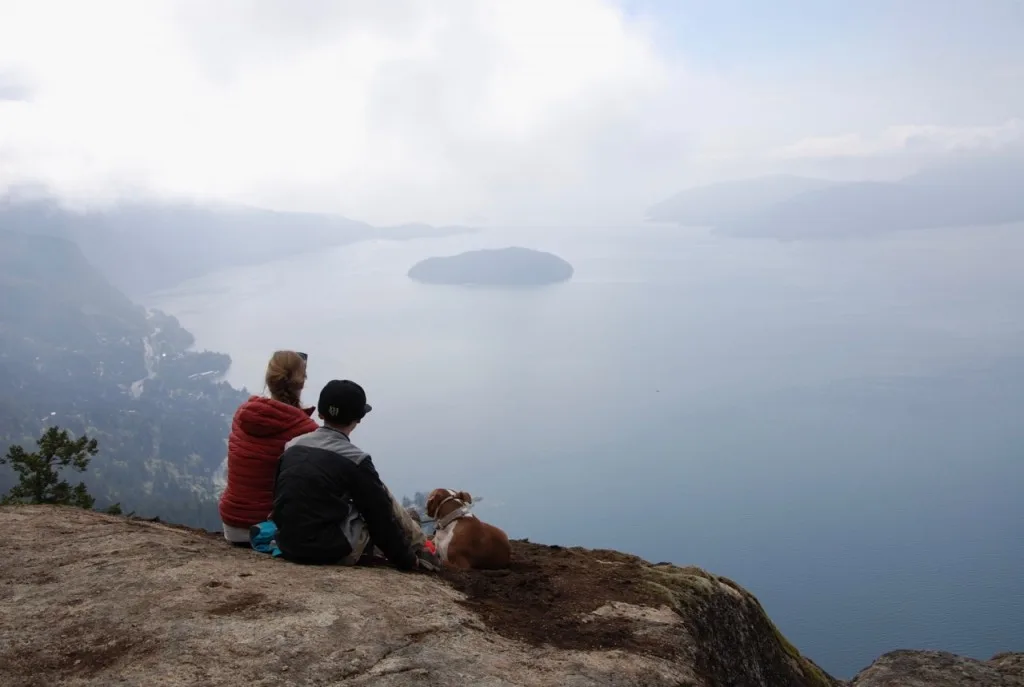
(511, 266)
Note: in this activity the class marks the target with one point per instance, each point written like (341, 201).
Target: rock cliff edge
(91, 599)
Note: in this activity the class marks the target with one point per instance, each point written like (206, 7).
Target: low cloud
(438, 111)
(910, 140)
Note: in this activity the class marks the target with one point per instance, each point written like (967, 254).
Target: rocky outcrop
(941, 669)
(92, 599)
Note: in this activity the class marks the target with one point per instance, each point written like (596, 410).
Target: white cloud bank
(910, 139)
(433, 110)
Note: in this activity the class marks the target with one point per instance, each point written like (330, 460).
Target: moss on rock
(733, 635)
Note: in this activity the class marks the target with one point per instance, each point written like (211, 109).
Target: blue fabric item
(263, 537)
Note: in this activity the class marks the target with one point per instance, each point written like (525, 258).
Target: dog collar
(457, 514)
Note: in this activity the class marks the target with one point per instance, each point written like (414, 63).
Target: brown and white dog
(462, 539)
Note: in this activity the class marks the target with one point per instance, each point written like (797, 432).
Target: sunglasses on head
(302, 355)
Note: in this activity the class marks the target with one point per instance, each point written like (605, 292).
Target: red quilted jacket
(260, 429)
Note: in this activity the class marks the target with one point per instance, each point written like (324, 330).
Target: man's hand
(427, 559)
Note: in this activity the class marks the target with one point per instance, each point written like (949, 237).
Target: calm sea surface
(837, 426)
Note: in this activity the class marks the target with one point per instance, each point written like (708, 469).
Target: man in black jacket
(330, 505)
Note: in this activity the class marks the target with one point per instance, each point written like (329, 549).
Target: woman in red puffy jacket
(260, 429)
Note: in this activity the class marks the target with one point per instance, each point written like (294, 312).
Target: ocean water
(837, 426)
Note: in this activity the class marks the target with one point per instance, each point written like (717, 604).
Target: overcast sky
(505, 111)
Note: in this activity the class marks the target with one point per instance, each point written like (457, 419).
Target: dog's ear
(434, 502)
(465, 497)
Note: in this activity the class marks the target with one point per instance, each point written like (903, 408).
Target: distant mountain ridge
(963, 192)
(146, 246)
(710, 205)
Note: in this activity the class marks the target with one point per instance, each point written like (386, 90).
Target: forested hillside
(77, 353)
